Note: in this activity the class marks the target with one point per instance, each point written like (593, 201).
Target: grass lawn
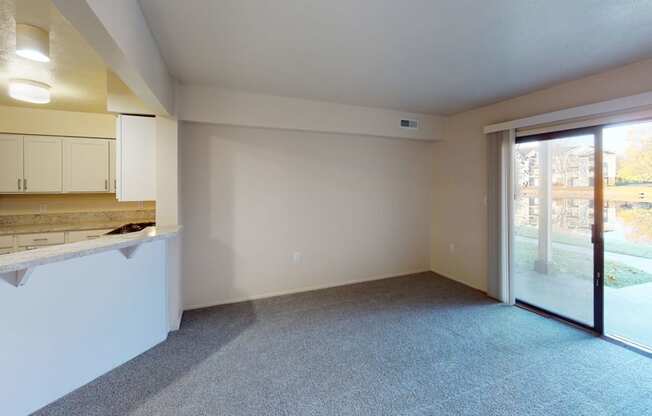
(618, 274)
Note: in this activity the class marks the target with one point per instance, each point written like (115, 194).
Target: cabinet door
(85, 165)
(112, 166)
(11, 163)
(137, 158)
(40, 239)
(75, 236)
(42, 158)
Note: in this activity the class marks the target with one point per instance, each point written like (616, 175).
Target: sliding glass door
(627, 160)
(582, 227)
(555, 214)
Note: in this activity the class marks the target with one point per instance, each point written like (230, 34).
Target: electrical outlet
(296, 257)
(451, 248)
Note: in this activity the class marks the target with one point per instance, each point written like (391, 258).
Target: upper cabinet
(43, 162)
(46, 164)
(86, 165)
(136, 158)
(11, 163)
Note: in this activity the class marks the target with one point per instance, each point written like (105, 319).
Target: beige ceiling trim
(631, 103)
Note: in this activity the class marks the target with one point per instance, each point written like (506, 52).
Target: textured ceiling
(75, 72)
(429, 56)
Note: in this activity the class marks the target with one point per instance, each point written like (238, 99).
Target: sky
(615, 138)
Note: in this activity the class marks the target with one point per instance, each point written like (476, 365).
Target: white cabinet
(74, 236)
(85, 165)
(45, 164)
(11, 163)
(42, 164)
(31, 241)
(40, 239)
(136, 158)
(112, 166)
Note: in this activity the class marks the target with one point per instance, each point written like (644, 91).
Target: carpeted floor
(415, 345)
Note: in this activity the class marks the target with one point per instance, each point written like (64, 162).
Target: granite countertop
(50, 254)
(50, 228)
(72, 221)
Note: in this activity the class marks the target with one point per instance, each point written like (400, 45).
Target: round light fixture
(30, 91)
(32, 42)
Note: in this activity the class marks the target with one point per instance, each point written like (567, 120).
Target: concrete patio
(627, 312)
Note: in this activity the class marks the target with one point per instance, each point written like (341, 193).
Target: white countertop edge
(51, 254)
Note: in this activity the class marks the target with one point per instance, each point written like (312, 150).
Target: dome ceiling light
(32, 42)
(30, 91)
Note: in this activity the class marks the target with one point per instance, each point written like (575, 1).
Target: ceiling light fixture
(32, 42)
(30, 91)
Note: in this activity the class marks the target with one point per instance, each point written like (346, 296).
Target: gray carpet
(416, 345)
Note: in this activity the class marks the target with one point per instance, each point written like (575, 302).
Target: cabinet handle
(92, 237)
(40, 239)
(106, 184)
(19, 184)
(25, 184)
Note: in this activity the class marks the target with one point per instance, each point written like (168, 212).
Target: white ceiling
(427, 56)
(76, 73)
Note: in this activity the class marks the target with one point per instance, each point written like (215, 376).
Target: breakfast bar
(16, 268)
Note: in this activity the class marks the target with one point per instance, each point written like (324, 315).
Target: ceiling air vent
(409, 124)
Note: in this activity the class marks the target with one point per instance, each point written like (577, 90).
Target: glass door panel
(627, 161)
(553, 219)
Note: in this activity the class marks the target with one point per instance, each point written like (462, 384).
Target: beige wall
(167, 171)
(167, 210)
(459, 173)
(356, 207)
(120, 99)
(35, 204)
(236, 108)
(21, 120)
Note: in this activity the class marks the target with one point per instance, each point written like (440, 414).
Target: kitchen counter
(127, 243)
(50, 228)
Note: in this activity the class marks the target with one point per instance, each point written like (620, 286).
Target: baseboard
(174, 326)
(302, 289)
(455, 279)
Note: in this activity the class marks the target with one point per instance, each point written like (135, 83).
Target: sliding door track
(614, 339)
(555, 316)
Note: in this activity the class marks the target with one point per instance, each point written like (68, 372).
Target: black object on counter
(131, 228)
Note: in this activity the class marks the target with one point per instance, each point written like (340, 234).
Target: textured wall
(355, 207)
